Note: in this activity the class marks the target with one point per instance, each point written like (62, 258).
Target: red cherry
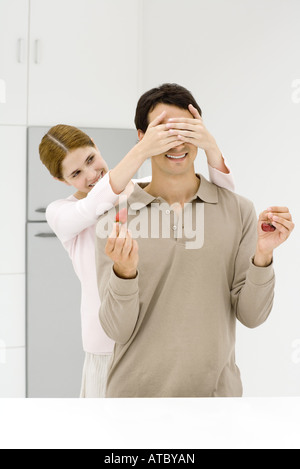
(267, 227)
(121, 216)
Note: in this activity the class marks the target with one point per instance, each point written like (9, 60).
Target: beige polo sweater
(174, 325)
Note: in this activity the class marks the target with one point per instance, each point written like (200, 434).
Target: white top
(74, 223)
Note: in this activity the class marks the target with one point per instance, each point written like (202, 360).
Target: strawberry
(121, 216)
(267, 227)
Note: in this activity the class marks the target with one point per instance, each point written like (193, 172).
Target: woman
(72, 157)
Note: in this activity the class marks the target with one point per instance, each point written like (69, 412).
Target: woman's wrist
(141, 151)
(215, 159)
(122, 174)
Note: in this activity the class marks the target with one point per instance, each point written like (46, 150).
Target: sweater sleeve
(222, 179)
(252, 292)
(67, 218)
(119, 309)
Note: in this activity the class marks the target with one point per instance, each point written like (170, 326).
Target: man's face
(164, 162)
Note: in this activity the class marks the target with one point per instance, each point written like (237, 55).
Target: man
(170, 303)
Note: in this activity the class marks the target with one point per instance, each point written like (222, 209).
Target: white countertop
(248, 423)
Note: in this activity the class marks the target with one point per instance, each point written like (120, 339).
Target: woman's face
(83, 168)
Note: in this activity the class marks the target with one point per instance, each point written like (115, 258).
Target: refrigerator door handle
(40, 210)
(45, 235)
(21, 50)
(37, 51)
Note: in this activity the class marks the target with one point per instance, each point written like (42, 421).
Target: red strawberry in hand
(267, 227)
(121, 216)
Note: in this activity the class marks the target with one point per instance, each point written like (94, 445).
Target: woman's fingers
(186, 133)
(169, 142)
(194, 111)
(192, 125)
(158, 120)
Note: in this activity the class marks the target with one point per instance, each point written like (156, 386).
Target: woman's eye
(90, 159)
(76, 174)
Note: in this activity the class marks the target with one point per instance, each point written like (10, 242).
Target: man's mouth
(177, 158)
(98, 179)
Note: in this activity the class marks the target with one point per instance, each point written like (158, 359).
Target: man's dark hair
(168, 93)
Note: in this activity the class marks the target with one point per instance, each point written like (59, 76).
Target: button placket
(176, 227)
(173, 234)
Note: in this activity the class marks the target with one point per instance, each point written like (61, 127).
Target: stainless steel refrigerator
(54, 346)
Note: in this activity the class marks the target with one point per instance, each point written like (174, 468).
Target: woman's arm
(218, 169)
(127, 168)
(68, 218)
(220, 174)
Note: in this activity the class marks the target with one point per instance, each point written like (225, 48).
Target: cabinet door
(12, 372)
(12, 310)
(12, 336)
(54, 345)
(12, 199)
(13, 61)
(83, 62)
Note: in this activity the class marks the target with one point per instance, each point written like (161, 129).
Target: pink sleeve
(222, 179)
(68, 218)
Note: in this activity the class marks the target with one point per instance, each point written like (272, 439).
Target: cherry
(267, 227)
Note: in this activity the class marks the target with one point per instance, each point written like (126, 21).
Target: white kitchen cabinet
(13, 61)
(83, 65)
(12, 310)
(12, 372)
(12, 199)
(12, 336)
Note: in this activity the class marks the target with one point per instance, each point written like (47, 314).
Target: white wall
(240, 60)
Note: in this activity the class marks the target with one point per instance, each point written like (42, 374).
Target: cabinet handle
(45, 235)
(40, 210)
(21, 50)
(37, 51)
